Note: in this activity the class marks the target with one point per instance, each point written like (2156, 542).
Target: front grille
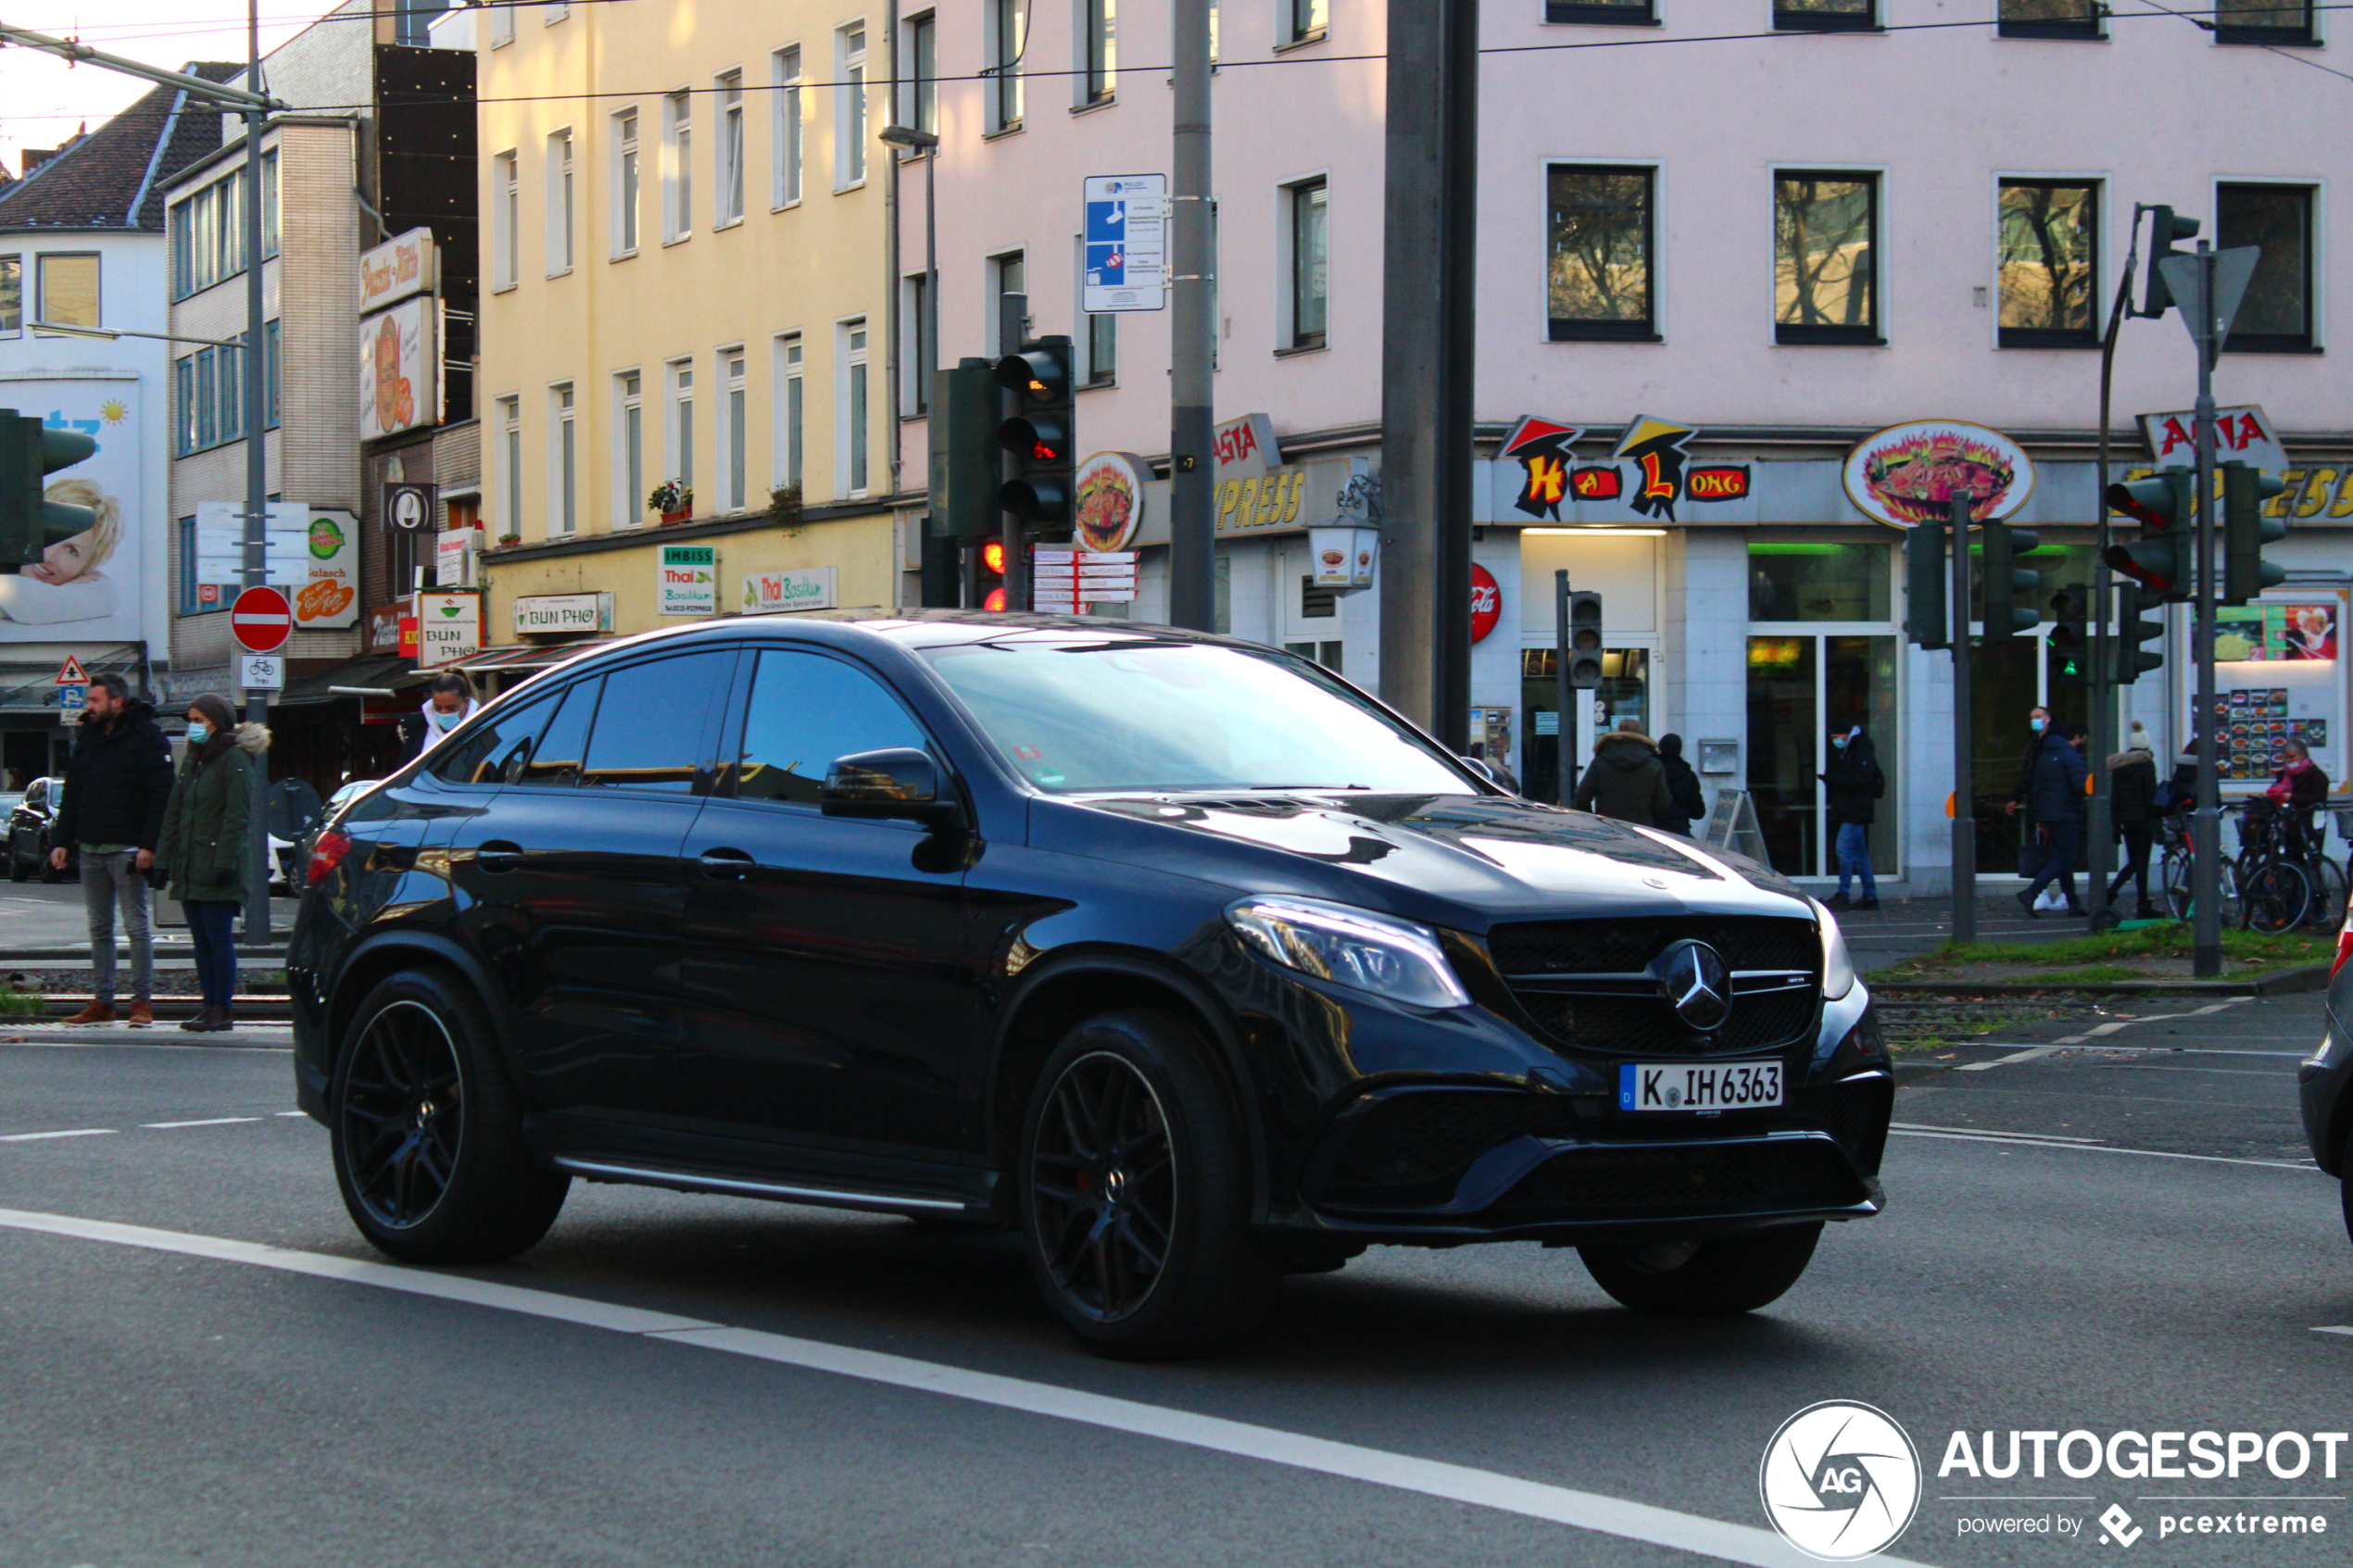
(1603, 1182)
(1580, 980)
(1411, 1150)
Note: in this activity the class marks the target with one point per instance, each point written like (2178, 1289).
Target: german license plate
(1684, 1086)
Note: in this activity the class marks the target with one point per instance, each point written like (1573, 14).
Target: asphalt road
(174, 1397)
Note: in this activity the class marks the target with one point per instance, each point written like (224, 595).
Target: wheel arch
(377, 958)
(1056, 995)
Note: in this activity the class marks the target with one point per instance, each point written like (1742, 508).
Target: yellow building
(685, 278)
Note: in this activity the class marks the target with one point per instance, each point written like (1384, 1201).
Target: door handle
(725, 865)
(497, 855)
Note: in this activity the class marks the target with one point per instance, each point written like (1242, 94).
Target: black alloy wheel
(1134, 1191)
(1103, 1186)
(429, 1150)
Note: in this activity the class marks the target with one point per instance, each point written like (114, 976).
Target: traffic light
(2140, 619)
(2009, 591)
(989, 586)
(1585, 641)
(30, 452)
(2164, 558)
(1039, 429)
(2070, 650)
(1927, 620)
(2164, 228)
(2246, 531)
(963, 451)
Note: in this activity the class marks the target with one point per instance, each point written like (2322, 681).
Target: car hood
(1464, 860)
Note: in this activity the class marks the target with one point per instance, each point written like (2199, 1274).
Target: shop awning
(384, 670)
(537, 657)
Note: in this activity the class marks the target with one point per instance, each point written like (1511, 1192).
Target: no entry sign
(261, 620)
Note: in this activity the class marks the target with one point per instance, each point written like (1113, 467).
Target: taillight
(2344, 947)
(327, 854)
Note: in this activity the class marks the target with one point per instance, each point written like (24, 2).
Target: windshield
(1135, 713)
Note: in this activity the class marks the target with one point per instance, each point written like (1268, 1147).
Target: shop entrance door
(1625, 693)
(2008, 679)
(1800, 688)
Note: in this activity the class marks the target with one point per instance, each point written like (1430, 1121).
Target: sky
(43, 98)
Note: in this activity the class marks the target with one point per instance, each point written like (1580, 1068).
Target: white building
(1850, 214)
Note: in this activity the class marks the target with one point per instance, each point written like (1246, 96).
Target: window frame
(561, 205)
(1562, 329)
(502, 24)
(1591, 13)
(1788, 18)
(787, 129)
(728, 151)
(1005, 45)
(42, 261)
(629, 448)
(563, 460)
(920, 107)
(1835, 335)
(12, 289)
(1295, 194)
(1095, 54)
(731, 429)
(917, 361)
(852, 116)
(1298, 26)
(2092, 25)
(509, 459)
(2052, 337)
(2308, 341)
(628, 128)
(1095, 369)
(788, 411)
(2303, 35)
(678, 432)
(678, 165)
(853, 407)
(506, 219)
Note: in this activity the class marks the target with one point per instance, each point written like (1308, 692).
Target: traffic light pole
(1964, 810)
(2103, 687)
(2206, 868)
(1013, 330)
(254, 361)
(1192, 422)
(1564, 735)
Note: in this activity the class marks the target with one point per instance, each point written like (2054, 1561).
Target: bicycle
(2173, 872)
(2275, 885)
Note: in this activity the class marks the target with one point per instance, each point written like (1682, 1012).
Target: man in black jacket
(1855, 784)
(118, 779)
(2054, 801)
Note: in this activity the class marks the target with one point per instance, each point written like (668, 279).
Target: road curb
(2286, 982)
(80, 956)
(259, 1009)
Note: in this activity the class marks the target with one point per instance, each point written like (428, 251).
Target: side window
(806, 709)
(649, 726)
(479, 756)
(555, 761)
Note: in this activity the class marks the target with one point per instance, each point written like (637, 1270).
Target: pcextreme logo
(1840, 1481)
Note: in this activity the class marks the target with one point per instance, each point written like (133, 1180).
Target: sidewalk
(1906, 928)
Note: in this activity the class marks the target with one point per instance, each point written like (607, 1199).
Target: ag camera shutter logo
(1840, 1481)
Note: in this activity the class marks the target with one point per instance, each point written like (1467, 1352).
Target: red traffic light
(996, 599)
(993, 558)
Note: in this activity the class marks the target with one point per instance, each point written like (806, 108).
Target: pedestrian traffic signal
(1585, 641)
(2164, 558)
(2164, 228)
(2009, 591)
(963, 451)
(2246, 531)
(30, 452)
(2071, 645)
(1927, 620)
(990, 582)
(1039, 429)
(2140, 619)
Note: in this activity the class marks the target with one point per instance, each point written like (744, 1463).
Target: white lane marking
(2029, 1054)
(1585, 1511)
(207, 1121)
(304, 1114)
(1987, 1133)
(74, 1133)
(2096, 1031)
(2106, 1149)
(2339, 1328)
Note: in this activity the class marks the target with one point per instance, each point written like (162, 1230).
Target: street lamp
(926, 145)
(107, 334)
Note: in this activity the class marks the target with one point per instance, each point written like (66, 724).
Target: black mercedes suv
(1177, 954)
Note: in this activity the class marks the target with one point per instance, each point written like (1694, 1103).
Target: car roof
(911, 629)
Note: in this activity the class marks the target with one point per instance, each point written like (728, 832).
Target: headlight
(1838, 969)
(1389, 958)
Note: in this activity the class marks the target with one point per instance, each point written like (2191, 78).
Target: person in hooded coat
(204, 849)
(1855, 784)
(2056, 804)
(1625, 779)
(1682, 788)
(2132, 807)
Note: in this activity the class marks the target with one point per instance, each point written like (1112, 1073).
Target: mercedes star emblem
(1696, 983)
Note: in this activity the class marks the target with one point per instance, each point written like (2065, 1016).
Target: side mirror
(897, 783)
(1478, 765)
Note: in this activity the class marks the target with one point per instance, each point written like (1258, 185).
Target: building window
(1826, 258)
(230, 392)
(270, 204)
(1310, 263)
(2275, 316)
(2270, 22)
(502, 25)
(788, 412)
(784, 129)
(681, 433)
(1099, 52)
(207, 398)
(733, 433)
(510, 466)
(1008, 35)
(2051, 18)
(2049, 263)
(678, 166)
(554, 12)
(11, 295)
(916, 389)
(66, 289)
(1098, 346)
(183, 404)
(191, 600)
(1598, 277)
(729, 199)
(922, 109)
(1309, 20)
(624, 183)
(207, 230)
(506, 219)
(850, 106)
(563, 469)
(272, 372)
(560, 203)
(1826, 16)
(1604, 12)
(629, 450)
(851, 339)
(1007, 275)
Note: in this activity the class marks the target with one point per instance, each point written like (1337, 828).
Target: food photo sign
(1911, 473)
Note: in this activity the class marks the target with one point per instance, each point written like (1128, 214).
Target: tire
(428, 1133)
(1135, 1183)
(1720, 1278)
(2276, 898)
(2327, 913)
(2174, 879)
(16, 866)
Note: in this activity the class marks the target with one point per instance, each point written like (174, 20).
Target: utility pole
(2206, 841)
(255, 362)
(2102, 687)
(1192, 367)
(1012, 336)
(1964, 797)
(1563, 738)
(1429, 251)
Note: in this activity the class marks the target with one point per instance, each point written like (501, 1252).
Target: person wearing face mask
(2030, 849)
(450, 702)
(203, 851)
(1855, 784)
(2056, 802)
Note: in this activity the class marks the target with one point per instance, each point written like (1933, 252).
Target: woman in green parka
(203, 848)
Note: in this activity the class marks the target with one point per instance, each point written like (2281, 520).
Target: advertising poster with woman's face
(86, 585)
